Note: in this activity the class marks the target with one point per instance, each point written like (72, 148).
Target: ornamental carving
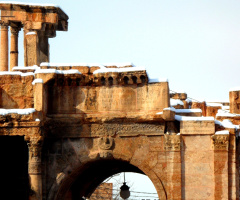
(172, 142)
(126, 129)
(105, 143)
(220, 142)
(34, 168)
(35, 149)
(15, 30)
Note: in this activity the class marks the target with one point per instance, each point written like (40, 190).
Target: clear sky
(193, 43)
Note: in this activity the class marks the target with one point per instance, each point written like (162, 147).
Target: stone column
(34, 166)
(14, 47)
(4, 47)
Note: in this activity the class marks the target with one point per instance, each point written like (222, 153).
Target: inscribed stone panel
(197, 127)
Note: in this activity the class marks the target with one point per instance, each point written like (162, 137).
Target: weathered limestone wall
(16, 91)
(76, 100)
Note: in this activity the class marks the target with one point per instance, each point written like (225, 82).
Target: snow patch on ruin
(55, 71)
(25, 111)
(175, 102)
(224, 132)
(185, 118)
(157, 80)
(38, 80)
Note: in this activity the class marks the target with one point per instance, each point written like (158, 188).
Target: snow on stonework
(31, 33)
(16, 73)
(227, 124)
(118, 70)
(25, 111)
(157, 80)
(214, 104)
(224, 132)
(28, 4)
(225, 113)
(34, 67)
(188, 110)
(49, 71)
(38, 80)
(185, 118)
(175, 102)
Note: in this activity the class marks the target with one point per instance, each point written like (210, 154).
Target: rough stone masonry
(66, 128)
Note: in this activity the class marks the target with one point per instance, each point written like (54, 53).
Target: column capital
(4, 25)
(220, 142)
(34, 149)
(15, 30)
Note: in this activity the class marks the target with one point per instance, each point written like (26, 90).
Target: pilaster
(220, 144)
(173, 155)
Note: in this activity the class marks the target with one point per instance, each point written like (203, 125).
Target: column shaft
(34, 167)
(4, 47)
(14, 47)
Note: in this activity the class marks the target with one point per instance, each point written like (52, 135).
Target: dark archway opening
(91, 175)
(14, 168)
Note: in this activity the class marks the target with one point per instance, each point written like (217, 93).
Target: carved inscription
(116, 99)
(220, 142)
(172, 142)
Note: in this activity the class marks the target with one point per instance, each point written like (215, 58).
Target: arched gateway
(65, 128)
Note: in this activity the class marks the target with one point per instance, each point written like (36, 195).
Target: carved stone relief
(172, 142)
(34, 148)
(105, 145)
(220, 142)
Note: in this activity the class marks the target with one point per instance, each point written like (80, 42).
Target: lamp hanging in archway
(124, 193)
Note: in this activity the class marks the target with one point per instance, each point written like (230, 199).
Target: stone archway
(86, 178)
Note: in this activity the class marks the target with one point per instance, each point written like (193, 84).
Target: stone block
(198, 193)
(168, 115)
(200, 180)
(198, 168)
(198, 156)
(197, 127)
(197, 143)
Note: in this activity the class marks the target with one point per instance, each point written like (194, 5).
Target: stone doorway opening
(85, 180)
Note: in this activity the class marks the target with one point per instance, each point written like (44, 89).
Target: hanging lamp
(124, 190)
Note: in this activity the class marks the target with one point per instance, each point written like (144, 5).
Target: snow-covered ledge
(24, 111)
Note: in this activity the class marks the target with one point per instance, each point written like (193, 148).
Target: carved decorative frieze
(172, 142)
(220, 142)
(126, 129)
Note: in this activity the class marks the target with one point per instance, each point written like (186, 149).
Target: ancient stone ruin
(66, 128)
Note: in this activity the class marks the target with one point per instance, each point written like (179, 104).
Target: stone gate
(66, 128)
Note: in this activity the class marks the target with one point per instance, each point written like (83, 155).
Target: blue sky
(195, 44)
